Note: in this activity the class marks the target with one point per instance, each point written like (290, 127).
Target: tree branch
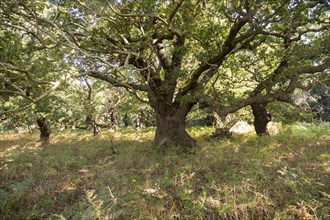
(312, 69)
(217, 60)
(103, 76)
(225, 110)
(50, 90)
(10, 68)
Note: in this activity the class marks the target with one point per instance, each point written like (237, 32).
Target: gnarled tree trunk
(44, 130)
(261, 118)
(171, 127)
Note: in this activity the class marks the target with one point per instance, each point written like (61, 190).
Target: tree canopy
(171, 54)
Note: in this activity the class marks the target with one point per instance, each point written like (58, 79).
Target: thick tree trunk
(261, 118)
(44, 130)
(171, 128)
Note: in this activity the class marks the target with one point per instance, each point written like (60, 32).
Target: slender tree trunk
(111, 112)
(96, 128)
(44, 130)
(91, 118)
(113, 122)
(261, 118)
(171, 127)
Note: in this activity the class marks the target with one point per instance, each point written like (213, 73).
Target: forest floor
(120, 176)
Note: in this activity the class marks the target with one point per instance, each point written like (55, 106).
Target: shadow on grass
(36, 179)
(243, 177)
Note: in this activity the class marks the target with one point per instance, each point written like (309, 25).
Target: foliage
(78, 176)
(30, 70)
(321, 103)
(170, 55)
(288, 114)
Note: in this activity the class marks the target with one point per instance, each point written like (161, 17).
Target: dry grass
(78, 176)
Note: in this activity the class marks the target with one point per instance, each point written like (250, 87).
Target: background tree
(290, 54)
(31, 68)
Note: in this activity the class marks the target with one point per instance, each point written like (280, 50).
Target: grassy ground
(78, 176)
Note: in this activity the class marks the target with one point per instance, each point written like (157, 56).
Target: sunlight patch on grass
(243, 177)
(9, 150)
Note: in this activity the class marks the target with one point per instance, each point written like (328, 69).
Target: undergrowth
(120, 176)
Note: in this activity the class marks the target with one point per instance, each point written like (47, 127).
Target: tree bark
(111, 115)
(96, 128)
(171, 127)
(44, 130)
(113, 122)
(261, 118)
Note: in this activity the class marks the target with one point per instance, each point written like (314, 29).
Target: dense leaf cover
(225, 55)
